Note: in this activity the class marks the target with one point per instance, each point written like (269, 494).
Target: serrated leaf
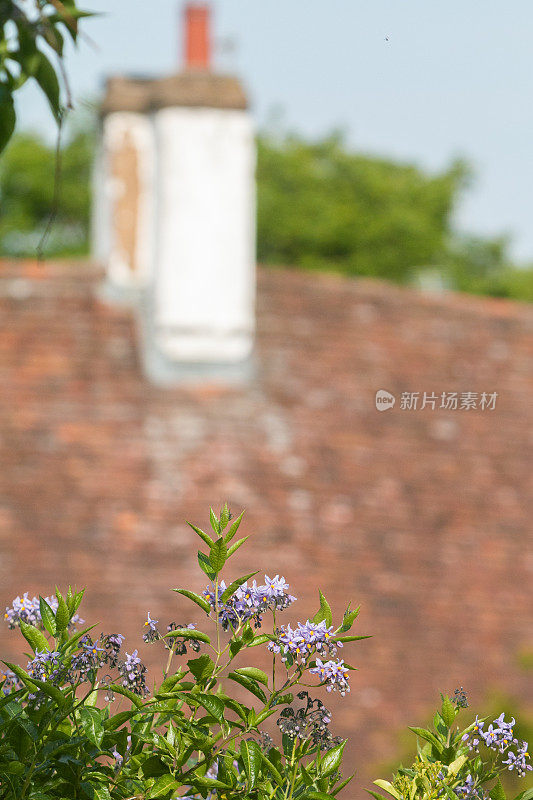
(232, 588)
(188, 633)
(236, 546)
(218, 555)
(332, 760)
(254, 673)
(233, 528)
(196, 598)
(204, 536)
(251, 759)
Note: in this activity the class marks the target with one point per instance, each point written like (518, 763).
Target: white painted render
(121, 275)
(204, 280)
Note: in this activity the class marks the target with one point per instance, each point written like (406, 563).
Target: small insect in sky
(387, 39)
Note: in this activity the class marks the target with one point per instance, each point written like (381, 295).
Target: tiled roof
(424, 517)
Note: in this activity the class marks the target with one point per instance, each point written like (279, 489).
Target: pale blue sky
(454, 78)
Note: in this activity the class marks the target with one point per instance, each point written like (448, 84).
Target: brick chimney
(174, 213)
(197, 36)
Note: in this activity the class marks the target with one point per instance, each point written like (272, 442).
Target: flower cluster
(499, 736)
(308, 722)
(334, 674)
(459, 698)
(133, 674)
(45, 666)
(179, 645)
(28, 610)
(249, 601)
(298, 643)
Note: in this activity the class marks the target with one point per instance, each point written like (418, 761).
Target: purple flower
(133, 674)
(334, 674)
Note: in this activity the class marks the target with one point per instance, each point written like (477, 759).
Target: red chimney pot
(197, 38)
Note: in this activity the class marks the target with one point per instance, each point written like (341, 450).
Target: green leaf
(497, 792)
(316, 796)
(456, 765)
(215, 524)
(47, 616)
(164, 786)
(388, 788)
(46, 77)
(448, 712)
(202, 667)
(349, 618)
(207, 539)
(332, 760)
(251, 759)
(527, 794)
(232, 588)
(324, 612)
(134, 698)
(213, 704)
(119, 719)
(272, 769)
(62, 613)
(207, 783)
(428, 736)
(224, 516)
(196, 598)
(91, 722)
(35, 638)
(206, 566)
(233, 528)
(263, 638)
(248, 684)
(236, 546)
(342, 784)
(350, 638)
(187, 633)
(218, 555)
(153, 767)
(253, 673)
(7, 117)
(376, 795)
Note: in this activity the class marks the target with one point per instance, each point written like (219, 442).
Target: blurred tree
(321, 206)
(27, 194)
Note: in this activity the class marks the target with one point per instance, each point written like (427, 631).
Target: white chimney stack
(174, 216)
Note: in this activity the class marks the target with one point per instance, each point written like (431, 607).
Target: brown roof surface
(422, 516)
(192, 88)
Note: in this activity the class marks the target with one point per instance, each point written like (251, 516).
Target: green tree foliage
(319, 207)
(322, 207)
(27, 186)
